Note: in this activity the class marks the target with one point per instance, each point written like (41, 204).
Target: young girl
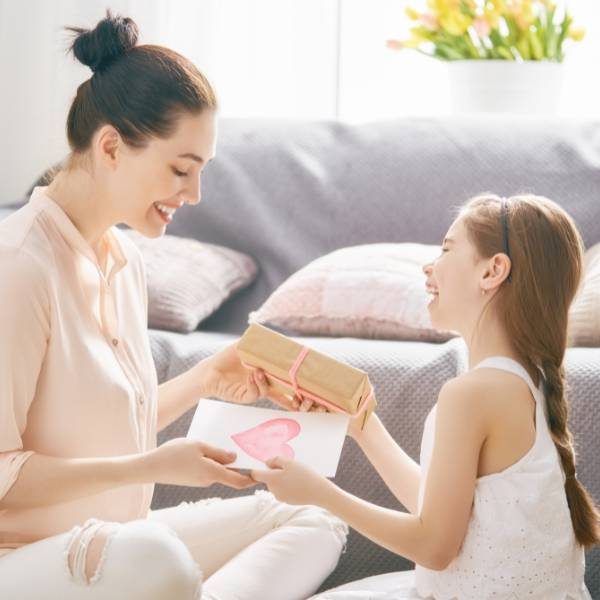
(495, 506)
(79, 401)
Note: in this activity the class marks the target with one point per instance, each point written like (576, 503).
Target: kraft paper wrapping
(321, 378)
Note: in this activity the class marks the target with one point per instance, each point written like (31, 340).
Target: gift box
(292, 368)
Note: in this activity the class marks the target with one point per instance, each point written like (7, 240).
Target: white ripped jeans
(247, 548)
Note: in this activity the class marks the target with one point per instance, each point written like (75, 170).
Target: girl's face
(455, 278)
(150, 184)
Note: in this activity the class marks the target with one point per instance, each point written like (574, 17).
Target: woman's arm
(399, 471)
(45, 480)
(178, 395)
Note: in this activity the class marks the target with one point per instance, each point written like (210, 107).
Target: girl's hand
(292, 482)
(355, 425)
(182, 461)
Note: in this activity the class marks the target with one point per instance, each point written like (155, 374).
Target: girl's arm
(433, 537)
(399, 471)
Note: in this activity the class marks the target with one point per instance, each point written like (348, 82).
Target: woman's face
(150, 184)
(455, 277)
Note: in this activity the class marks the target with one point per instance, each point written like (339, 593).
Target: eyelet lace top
(520, 541)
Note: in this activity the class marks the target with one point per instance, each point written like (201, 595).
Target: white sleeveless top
(520, 541)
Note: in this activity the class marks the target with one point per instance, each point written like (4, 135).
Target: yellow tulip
(496, 6)
(526, 18)
(411, 13)
(444, 6)
(492, 17)
(415, 39)
(455, 23)
(576, 33)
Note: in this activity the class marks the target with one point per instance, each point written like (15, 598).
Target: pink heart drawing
(268, 439)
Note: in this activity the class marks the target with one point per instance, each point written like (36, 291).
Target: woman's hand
(224, 376)
(227, 378)
(182, 461)
(292, 482)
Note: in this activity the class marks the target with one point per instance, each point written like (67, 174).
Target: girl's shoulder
(500, 398)
(488, 390)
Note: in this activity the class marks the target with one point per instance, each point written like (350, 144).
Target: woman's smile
(165, 211)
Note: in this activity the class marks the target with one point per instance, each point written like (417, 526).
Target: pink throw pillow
(369, 291)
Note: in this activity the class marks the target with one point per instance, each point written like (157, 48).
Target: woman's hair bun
(112, 37)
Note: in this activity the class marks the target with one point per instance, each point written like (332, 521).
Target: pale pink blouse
(77, 377)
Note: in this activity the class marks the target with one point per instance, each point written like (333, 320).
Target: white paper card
(253, 433)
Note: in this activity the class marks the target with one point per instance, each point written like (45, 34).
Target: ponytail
(584, 514)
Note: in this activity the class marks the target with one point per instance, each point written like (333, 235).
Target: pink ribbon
(302, 393)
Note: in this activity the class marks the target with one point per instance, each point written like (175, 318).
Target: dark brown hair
(546, 252)
(139, 90)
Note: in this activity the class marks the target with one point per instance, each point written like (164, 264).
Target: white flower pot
(505, 86)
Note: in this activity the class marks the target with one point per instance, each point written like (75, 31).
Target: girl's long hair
(546, 252)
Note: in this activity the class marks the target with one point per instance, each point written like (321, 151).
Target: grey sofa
(287, 192)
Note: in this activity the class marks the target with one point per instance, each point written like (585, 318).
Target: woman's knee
(146, 558)
(322, 520)
(311, 517)
(86, 549)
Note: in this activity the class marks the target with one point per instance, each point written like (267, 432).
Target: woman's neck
(74, 192)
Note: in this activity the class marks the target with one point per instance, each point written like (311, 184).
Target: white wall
(266, 58)
(272, 58)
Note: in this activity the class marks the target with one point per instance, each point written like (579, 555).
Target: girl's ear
(496, 271)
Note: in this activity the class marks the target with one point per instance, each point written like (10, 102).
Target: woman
(495, 509)
(79, 399)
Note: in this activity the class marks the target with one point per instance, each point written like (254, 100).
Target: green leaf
(496, 38)
(470, 46)
(564, 29)
(540, 31)
(449, 51)
(551, 37)
(505, 53)
(513, 30)
(537, 50)
(552, 42)
(522, 46)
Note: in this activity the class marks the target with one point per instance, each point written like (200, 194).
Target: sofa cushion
(367, 291)
(188, 280)
(584, 316)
